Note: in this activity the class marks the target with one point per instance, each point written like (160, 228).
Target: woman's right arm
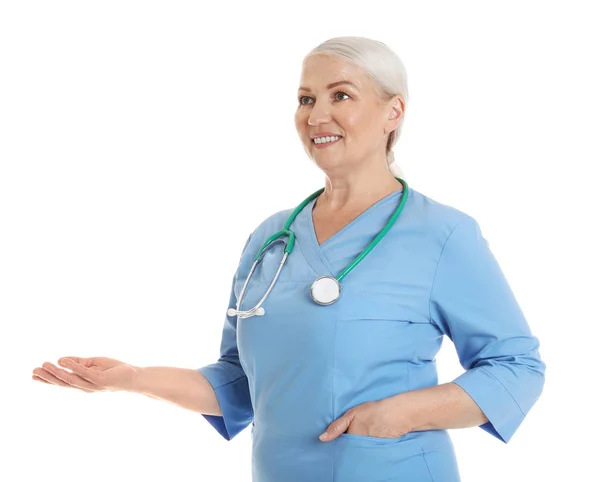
(219, 391)
(184, 387)
(191, 389)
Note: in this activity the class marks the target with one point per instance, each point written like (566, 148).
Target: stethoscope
(325, 290)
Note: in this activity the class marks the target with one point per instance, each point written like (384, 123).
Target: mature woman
(335, 368)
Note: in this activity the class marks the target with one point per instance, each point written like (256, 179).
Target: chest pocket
(387, 294)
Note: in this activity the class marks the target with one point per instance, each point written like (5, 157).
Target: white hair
(383, 66)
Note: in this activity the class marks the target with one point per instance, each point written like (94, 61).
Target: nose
(319, 114)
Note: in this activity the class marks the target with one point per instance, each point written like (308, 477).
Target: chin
(328, 166)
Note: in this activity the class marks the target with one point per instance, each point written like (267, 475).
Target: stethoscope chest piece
(325, 290)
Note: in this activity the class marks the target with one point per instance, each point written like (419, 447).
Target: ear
(396, 113)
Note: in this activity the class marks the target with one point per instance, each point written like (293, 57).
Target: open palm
(88, 374)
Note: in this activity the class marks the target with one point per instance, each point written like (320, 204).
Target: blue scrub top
(293, 371)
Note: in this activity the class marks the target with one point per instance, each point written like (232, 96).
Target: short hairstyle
(383, 66)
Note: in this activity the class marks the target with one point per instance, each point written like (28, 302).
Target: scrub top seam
(426, 464)
(232, 381)
(502, 385)
(333, 396)
(437, 266)
(408, 368)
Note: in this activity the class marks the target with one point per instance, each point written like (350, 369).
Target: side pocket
(359, 458)
(377, 440)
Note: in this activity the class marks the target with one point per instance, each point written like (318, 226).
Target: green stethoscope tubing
(286, 231)
(322, 292)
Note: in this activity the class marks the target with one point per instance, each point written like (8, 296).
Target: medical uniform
(300, 366)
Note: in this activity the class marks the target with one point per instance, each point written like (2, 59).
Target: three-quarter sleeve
(228, 378)
(472, 303)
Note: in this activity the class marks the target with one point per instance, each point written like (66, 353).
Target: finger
(39, 379)
(92, 376)
(337, 427)
(69, 378)
(49, 378)
(52, 380)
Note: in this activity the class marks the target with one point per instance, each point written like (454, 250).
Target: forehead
(320, 70)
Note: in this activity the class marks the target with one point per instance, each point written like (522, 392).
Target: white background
(141, 142)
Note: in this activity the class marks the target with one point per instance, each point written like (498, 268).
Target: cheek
(300, 117)
(357, 123)
(302, 129)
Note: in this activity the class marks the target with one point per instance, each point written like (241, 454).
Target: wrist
(401, 412)
(139, 380)
(419, 417)
(419, 406)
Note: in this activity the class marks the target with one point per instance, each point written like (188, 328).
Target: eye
(302, 97)
(335, 96)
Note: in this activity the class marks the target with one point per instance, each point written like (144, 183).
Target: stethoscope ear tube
(276, 238)
(257, 310)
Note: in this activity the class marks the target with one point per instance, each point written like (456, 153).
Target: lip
(325, 134)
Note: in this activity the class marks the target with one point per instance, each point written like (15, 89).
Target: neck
(356, 189)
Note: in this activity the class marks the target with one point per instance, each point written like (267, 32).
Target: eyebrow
(333, 84)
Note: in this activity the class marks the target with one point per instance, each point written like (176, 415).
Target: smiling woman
(363, 369)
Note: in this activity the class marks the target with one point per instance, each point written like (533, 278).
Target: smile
(323, 142)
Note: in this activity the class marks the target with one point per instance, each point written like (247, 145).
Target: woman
(359, 364)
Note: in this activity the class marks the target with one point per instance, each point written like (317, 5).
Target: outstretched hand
(88, 374)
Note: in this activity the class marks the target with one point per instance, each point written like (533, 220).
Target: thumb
(337, 427)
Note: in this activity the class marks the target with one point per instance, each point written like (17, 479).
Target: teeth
(323, 140)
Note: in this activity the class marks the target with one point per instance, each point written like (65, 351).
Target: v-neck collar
(349, 225)
(309, 245)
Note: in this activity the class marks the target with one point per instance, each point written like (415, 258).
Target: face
(337, 97)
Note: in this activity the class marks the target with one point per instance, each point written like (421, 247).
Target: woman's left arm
(440, 407)
(472, 303)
